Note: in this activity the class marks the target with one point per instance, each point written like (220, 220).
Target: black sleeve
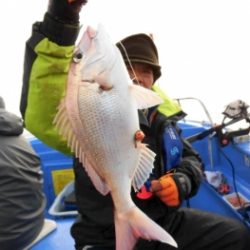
(58, 32)
(190, 168)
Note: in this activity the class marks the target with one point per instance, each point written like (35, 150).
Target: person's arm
(183, 180)
(181, 183)
(192, 167)
(47, 58)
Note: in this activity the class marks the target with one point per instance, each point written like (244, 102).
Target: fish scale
(88, 111)
(112, 118)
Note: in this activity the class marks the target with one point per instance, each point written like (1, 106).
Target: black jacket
(21, 193)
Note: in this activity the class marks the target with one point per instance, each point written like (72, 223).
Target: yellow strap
(169, 107)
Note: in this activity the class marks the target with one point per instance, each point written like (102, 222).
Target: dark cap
(2, 104)
(140, 48)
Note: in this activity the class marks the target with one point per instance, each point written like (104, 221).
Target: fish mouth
(88, 80)
(106, 88)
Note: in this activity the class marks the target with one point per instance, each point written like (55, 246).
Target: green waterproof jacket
(44, 82)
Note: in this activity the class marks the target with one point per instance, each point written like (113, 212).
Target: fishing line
(243, 207)
(130, 64)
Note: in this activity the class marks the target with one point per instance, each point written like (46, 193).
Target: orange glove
(166, 189)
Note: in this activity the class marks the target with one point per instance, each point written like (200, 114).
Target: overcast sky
(204, 46)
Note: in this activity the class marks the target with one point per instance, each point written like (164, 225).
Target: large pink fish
(99, 119)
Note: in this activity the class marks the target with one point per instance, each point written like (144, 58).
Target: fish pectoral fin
(145, 166)
(97, 181)
(145, 98)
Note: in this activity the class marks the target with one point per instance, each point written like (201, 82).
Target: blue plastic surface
(59, 239)
(52, 161)
(58, 207)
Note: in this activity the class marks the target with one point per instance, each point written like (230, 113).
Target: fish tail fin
(135, 224)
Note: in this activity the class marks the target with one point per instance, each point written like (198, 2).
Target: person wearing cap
(176, 176)
(22, 199)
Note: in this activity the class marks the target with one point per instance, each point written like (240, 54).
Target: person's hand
(66, 11)
(167, 190)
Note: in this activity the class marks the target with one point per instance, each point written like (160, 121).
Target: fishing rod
(236, 111)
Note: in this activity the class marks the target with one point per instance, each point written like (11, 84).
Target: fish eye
(77, 57)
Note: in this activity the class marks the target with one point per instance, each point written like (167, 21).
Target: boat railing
(210, 120)
(180, 100)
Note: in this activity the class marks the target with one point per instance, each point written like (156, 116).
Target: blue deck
(58, 239)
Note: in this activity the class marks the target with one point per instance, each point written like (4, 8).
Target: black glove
(66, 11)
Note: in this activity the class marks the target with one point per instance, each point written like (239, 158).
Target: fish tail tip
(135, 224)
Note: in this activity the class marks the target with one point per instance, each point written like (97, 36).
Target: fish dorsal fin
(145, 98)
(64, 127)
(145, 166)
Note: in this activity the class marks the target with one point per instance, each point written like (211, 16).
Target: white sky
(204, 46)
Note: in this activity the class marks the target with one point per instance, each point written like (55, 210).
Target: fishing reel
(235, 111)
